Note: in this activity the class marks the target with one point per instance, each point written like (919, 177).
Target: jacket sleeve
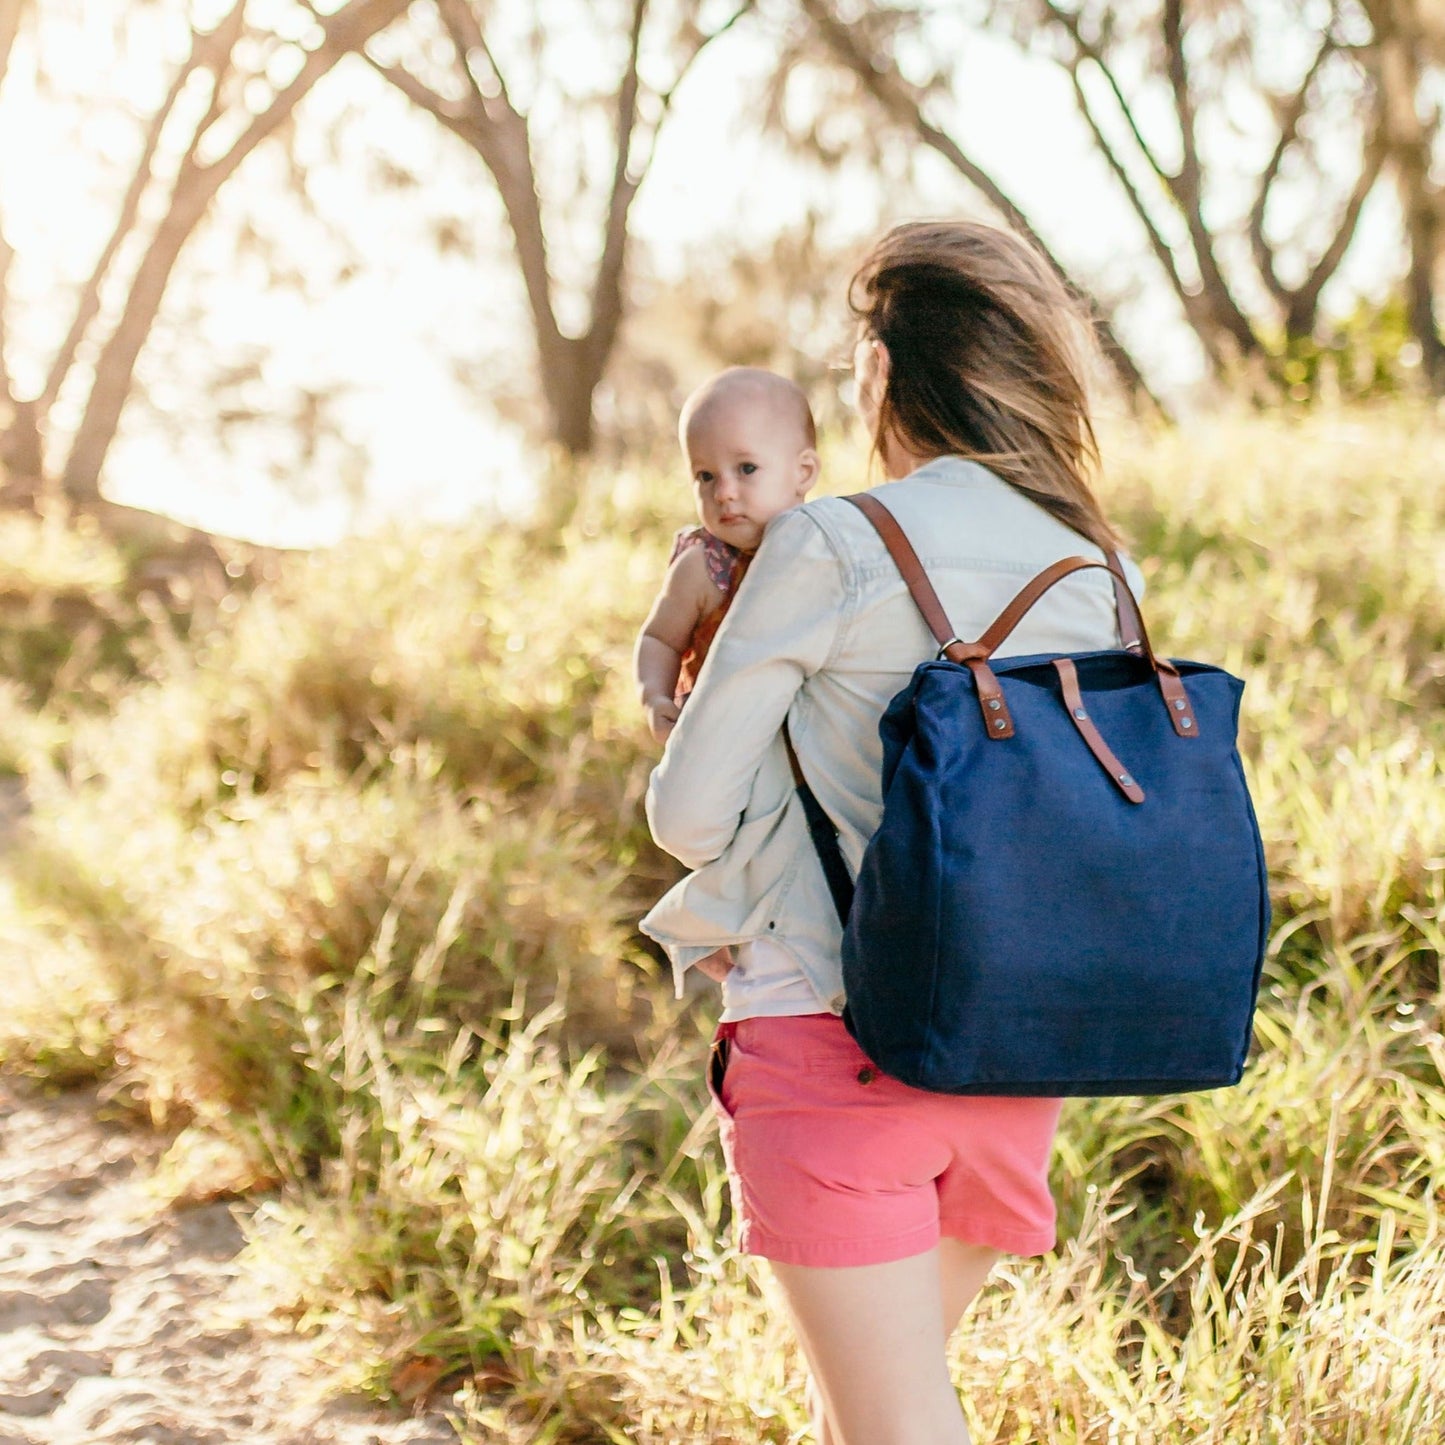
(779, 630)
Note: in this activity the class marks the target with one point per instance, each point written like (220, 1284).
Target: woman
(882, 1208)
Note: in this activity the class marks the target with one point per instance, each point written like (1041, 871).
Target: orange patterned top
(725, 567)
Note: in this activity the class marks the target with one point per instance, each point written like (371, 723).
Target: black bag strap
(824, 836)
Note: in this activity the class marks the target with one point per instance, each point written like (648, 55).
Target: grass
(337, 887)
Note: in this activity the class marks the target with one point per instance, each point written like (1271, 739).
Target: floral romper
(726, 565)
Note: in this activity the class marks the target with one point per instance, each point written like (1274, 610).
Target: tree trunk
(1407, 141)
(115, 366)
(195, 187)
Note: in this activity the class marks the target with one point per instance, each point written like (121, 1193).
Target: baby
(750, 442)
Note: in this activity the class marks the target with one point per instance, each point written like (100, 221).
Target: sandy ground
(119, 1322)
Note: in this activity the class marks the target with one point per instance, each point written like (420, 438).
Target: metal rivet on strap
(1186, 722)
(999, 723)
(1080, 713)
(867, 1075)
(1127, 781)
(1178, 704)
(994, 703)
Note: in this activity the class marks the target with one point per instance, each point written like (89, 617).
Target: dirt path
(119, 1323)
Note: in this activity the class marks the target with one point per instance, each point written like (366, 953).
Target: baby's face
(749, 463)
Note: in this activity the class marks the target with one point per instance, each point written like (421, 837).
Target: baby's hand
(662, 715)
(716, 965)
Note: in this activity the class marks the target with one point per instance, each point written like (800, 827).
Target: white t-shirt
(766, 982)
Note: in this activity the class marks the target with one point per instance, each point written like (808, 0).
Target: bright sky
(411, 340)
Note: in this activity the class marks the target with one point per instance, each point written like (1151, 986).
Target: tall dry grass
(338, 889)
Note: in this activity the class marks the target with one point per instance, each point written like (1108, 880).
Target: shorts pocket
(718, 1058)
(842, 1057)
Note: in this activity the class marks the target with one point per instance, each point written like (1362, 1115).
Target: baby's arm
(688, 595)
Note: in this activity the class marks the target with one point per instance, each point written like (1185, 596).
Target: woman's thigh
(876, 1341)
(962, 1269)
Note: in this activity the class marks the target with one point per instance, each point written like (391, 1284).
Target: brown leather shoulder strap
(1131, 624)
(998, 630)
(906, 560)
(975, 655)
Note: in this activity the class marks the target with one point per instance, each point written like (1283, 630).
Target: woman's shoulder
(958, 514)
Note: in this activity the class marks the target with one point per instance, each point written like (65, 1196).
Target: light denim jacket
(823, 632)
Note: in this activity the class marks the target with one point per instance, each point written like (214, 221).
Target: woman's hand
(717, 965)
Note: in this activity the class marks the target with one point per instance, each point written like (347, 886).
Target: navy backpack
(1067, 892)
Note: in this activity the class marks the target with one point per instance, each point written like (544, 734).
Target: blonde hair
(987, 353)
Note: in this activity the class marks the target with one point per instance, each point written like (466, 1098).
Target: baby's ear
(808, 468)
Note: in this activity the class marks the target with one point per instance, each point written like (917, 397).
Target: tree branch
(665, 97)
(1187, 188)
(219, 63)
(1069, 20)
(607, 285)
(346, 29)
(1163, 252)
(11, 14)
(455, 115)
(497, 132)
(704, 40)
(88, 304)
(1264, 255)
(467, 36)
(1302, 304)
(7, 390)
(1187, 182)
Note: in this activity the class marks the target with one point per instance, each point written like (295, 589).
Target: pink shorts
(833, 1163)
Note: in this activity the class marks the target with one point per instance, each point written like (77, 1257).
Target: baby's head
(749, 439)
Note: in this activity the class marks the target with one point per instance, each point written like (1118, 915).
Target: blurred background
(340, 352)
(285, 271)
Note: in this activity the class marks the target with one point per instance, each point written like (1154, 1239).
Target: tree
(1151, 82)
(1407, 43)
(486, 97)
(1195, 67)
(222, 101)
(865, 47)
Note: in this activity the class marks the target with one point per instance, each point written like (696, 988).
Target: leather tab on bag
(1176, 699)
(997, 720)
(1119, 775)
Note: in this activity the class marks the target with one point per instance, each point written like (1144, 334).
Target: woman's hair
(987, 352)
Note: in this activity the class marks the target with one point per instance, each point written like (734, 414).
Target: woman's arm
(781, 629)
